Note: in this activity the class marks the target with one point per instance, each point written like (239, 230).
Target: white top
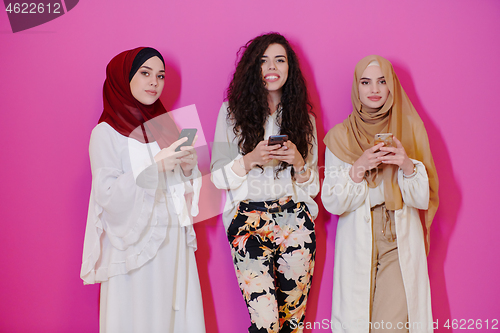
(128, 212)
(139, 240)
(258, 185)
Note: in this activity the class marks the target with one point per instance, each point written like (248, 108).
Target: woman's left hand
(189, 161)
(398, 157)
(288, 153)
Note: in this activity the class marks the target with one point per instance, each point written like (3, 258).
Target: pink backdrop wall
(446, 53)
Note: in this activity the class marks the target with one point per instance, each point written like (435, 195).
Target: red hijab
(129, 117)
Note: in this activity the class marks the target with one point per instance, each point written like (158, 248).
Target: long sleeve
(126, 222)
(132, 207)
(192, 188)
(125, 206)
(224, 153)
(311, 186)
(415, 190)
(340, 194)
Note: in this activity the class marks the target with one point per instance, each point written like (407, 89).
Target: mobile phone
(190, 134)
(386, 138)
(277, 139)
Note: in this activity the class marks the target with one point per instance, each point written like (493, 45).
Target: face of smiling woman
(373, 91)
(147, 83)
(274, 65)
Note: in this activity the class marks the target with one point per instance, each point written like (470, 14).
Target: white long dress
(139, 240)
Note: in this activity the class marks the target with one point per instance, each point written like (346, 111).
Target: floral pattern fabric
(273, 254)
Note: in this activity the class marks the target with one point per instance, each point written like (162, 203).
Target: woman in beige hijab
(380, 276)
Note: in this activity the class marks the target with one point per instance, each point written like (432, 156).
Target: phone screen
(190, 133)
(277, 139)
(386, 138)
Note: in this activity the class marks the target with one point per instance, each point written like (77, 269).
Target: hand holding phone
(190, 133)
(277, 140)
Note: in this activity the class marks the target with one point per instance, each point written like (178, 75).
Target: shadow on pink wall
(203, 257)
(449, 206)
(173, 83)
(324, 218)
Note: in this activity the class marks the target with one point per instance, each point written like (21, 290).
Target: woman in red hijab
(139, 240)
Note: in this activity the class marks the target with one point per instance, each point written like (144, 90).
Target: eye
(281, 60)
(145, 73)
(262, 60)
(161, 77)
(364, 82)
(382, 81)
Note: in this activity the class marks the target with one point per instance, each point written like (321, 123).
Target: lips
(374, 98)
(271, 77)
(152, 92)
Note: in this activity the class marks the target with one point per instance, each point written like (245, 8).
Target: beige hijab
(349, 139)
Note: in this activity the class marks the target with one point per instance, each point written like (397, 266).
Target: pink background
(446, 53)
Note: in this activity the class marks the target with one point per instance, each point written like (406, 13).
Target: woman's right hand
(168, 158)
(259, 156)
(370, 159)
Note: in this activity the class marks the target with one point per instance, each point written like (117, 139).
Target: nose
(375, 88)
(154, 81)
(272, 64)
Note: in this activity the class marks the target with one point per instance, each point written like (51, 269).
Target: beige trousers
(389, 311)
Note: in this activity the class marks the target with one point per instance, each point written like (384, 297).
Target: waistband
(272, 206)
(385, 219)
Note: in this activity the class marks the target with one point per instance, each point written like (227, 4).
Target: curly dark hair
(248, 105)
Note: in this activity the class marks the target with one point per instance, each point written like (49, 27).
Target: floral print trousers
(273, 255)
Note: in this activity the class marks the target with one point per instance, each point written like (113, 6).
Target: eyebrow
(278, 56)
(367, 78)
(147, 67)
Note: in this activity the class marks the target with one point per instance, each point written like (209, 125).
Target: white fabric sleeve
(311, 186)
(415, 190)
(224, 153)
(340, 194)
(192, 188)
(142, 162)
(123, 207)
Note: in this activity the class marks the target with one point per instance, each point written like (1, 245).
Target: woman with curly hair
(269, 209)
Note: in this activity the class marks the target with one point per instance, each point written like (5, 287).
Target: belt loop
(274, 211)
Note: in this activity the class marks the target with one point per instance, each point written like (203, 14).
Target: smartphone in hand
(277, 140)
(190, 133)
(386, 138)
